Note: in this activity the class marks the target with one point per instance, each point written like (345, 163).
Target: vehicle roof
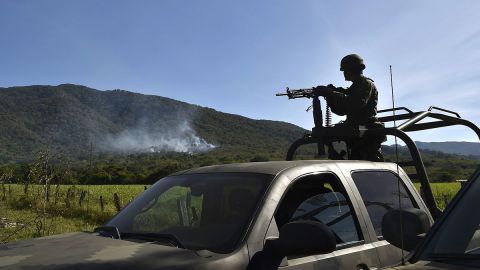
(275, 167)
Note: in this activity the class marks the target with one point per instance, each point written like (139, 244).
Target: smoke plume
(182, 139)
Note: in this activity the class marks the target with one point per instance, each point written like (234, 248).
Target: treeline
(147, 168)
(143, 168)
(441, 167)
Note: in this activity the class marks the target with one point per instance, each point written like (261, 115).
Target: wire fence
(39, 210)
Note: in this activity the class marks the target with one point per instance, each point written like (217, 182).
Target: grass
(41, 219)
(55, 225)
(443, 192)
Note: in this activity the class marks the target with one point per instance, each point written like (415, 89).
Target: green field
(27, 215)
(40, 217)
(443, 192)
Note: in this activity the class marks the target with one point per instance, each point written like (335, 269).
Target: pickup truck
(267, 215)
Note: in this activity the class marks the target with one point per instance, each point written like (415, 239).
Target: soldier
(359, 104)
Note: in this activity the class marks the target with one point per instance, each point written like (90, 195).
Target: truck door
(324, 198)
(382, 191)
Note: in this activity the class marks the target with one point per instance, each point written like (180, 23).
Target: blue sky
(234, 56)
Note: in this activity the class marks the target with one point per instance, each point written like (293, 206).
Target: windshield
(200, 211)
(457, 240)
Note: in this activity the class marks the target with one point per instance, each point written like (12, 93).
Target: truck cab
(236, 210)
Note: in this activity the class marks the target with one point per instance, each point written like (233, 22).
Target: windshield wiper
(453, 256)
(108, 231)
(161, 237)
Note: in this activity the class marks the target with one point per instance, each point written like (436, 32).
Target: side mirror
(303, 237)
(413, 222)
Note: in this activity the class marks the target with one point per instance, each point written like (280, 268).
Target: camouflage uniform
(359, 104)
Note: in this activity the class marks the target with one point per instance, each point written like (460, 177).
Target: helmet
(352, 62)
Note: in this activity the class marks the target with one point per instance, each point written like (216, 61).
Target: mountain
(459, 148)
(75, 120)
(122, 137)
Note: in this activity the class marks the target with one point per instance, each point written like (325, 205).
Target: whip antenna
(398, 169)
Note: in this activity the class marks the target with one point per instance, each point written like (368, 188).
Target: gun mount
(317, 131)
(326, 135)
(317, 113)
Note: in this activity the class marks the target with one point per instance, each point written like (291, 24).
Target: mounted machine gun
(317, 119)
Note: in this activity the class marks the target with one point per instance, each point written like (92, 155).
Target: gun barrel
(300, 90)
(298, 93)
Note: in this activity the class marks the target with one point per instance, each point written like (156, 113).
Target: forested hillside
(75, 121)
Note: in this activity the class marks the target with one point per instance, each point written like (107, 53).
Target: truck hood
(90, 251)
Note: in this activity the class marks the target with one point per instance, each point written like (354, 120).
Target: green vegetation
(440, 167)
(147, 168)
(134, 168)
(77, 122)
(443, 192)
(64, 211)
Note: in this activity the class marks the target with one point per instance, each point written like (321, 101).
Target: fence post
(49, 190)
(57, 193)
(102, 206)
(446, 200)
(9, 192)
(118, 203)
(83, 195)
(25, 188)
(67, 197)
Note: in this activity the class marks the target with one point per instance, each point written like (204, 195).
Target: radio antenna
(398, 169)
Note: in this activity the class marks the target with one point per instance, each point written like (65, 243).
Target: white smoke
(181, 138)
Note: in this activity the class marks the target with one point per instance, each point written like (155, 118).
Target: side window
(381, 192)
(321, 198)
